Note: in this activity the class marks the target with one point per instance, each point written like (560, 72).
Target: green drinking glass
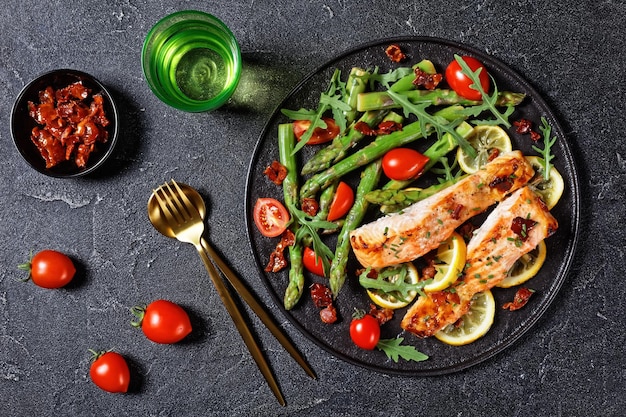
(191, 61)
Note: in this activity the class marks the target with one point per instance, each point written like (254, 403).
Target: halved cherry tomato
(403, 164)
(460, 83)
(163, 321)
(110, 372)
(50, 269)
(270, 217)
(342, 202)
(364, 330)
(312, 262)
(319, 135)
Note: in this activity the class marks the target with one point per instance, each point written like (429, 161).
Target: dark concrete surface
(572, 363)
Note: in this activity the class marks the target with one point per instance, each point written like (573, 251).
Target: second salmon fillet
(421, 227)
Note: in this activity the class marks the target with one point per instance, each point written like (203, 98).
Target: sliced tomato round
(403, 164)
(312, 262)
(461, 83)
(319, 135)
(342, 202)
(270, 216)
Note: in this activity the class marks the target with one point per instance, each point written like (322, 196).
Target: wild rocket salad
(410, 232)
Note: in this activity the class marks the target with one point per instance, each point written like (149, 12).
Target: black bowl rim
(113, 133)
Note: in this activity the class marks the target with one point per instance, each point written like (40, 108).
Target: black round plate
(508, 326)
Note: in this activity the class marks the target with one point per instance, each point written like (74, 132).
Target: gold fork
(189, 230)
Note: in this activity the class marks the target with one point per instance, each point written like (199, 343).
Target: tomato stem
(139, 312)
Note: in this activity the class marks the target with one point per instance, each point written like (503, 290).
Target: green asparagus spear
(378, 148)
(379, 100)
(356, 84)
(406, 82)
(369, 180)
(337, 149)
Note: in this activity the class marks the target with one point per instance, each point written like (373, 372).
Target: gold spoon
(162, 225)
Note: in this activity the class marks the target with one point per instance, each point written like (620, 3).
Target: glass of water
(191, 61)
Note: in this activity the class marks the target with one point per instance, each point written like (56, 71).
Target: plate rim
(564, 267)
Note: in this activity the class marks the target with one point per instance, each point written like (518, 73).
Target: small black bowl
(22, 123)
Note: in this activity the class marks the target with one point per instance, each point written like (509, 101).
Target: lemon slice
(449, 263)
(525, 267)
(485, 140)
(551, 189)
(395, 300)
(473, 325)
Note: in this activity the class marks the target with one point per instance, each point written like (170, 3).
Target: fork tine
(175, 201)
(181, 194)
(172, 216)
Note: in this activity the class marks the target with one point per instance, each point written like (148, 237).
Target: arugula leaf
(489, 101)
(330, 100)
(546, 152)
(395, 350)
(398, 287)
(388, 78)
(440, 124)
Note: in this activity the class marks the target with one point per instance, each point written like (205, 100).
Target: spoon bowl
(159, 221)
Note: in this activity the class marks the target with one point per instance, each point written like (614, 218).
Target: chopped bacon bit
(456, 214)
(328, 314)
(69, 126)
(388, 126)
(519, 300)
(383, 315)
(276, 172)
(426, 80)
(277, 260)
(523, 126)
(534, 136)
(321, 295)
(310, 206)
(521, 226)
(395, 53)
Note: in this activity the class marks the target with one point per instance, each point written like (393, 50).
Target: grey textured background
(572, 363)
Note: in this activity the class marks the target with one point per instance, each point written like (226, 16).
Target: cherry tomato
(50, 269)
(460, 83)
(365, 331)
(163, 321)
(319, 135)
(270, 217)
(312, 262)
(342, 202)
(403, 164)
(110, 372)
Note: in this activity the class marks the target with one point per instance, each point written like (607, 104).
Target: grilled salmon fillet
(405, 236)
(512, 229)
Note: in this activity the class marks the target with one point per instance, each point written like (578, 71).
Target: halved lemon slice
(525, 267)
(486, 140)
(449, 263)
(394, 300)
(473, 325)
(551, 189)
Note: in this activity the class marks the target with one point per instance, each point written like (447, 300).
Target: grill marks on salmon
(512, 229)
(420, 228)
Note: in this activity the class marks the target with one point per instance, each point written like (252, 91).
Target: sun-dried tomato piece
(387, 127)
(310, 206)
(364, 129)
(523, 126)
(394, 52)
(534, 136)
(321, 295)
(519, 300)
(426, 80)
(383, 315)
(277, 261)
(276, 172)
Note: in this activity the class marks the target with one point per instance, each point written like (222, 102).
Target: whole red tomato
(110, 372)
(461, 83)
(403, 164)
(50, 269)
(364, 330)
(163, 321)
(312, 262)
